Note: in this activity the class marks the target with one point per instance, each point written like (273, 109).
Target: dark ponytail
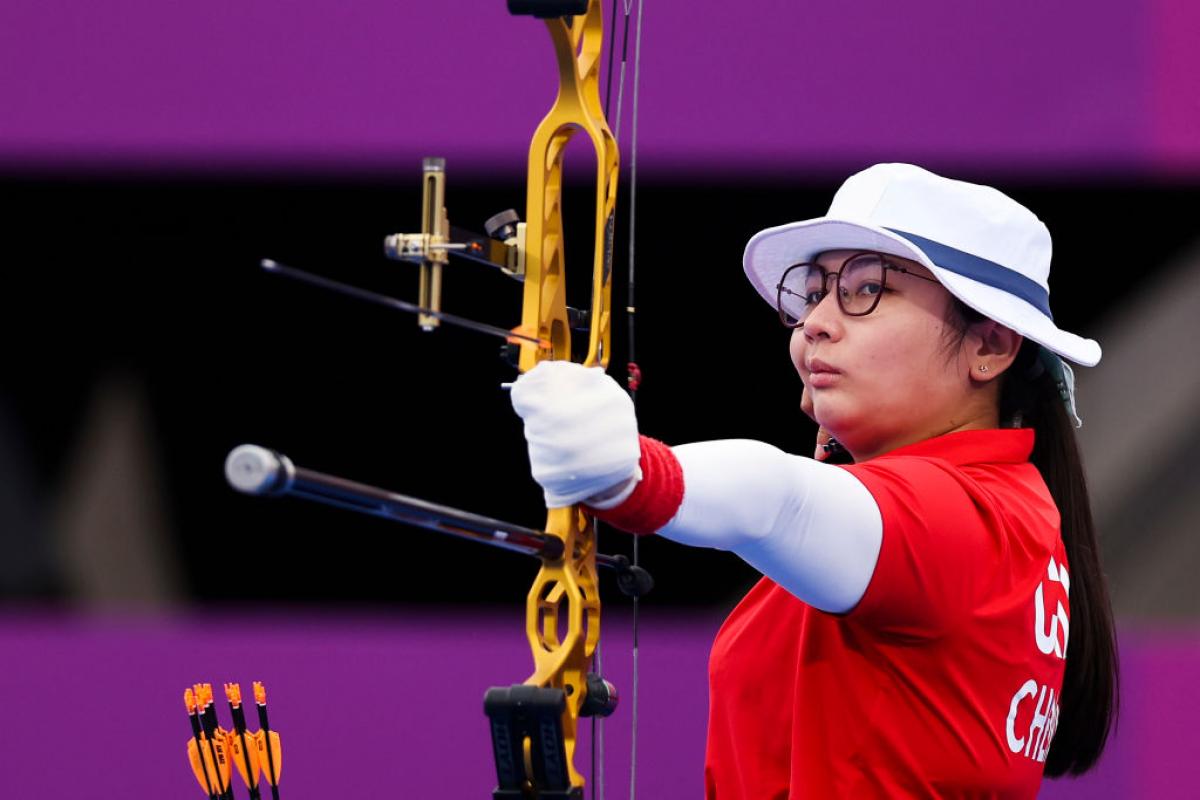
(1089, 699)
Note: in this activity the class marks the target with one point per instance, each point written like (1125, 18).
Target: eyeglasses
(860, 284)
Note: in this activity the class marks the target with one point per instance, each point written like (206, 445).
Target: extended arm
(811, 527)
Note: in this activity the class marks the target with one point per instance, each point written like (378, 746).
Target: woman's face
(888, 379)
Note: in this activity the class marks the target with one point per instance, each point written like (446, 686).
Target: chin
(838, 419)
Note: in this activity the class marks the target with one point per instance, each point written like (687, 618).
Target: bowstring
(627, 8)
(631, 311)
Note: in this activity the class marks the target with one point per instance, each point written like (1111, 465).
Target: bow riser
(566, 590)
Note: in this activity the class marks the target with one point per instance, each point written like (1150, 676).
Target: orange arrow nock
(524, 333)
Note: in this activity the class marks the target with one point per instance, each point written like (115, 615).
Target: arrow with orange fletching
(270, 752)
(207, 750)
(198, 753)
(220, 741)
(242, 747)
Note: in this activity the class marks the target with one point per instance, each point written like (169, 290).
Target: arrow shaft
(251, 773)
(266, 729)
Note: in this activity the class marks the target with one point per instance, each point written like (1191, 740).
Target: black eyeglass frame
(883, 258)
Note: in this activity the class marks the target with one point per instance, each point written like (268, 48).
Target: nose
(825, 320)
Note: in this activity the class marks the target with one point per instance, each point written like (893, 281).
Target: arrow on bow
(534, 724)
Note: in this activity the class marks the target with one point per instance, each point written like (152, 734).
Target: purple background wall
(392, 706)
(767, 85)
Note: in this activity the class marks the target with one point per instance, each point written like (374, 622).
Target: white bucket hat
(988, 250)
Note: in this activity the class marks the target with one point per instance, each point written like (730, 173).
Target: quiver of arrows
(215, 752)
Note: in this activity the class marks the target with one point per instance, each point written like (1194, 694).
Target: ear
(990, 349)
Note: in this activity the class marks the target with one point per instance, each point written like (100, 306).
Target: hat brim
(771, 251)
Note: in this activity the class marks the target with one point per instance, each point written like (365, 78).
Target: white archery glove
(582, 433)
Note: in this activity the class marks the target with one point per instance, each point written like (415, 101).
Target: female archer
(933, 619)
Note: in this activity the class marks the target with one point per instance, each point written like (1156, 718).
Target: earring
(983, 368)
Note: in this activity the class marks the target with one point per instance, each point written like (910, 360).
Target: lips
(822, 375)
(816, 365)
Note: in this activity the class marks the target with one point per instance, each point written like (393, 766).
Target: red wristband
(657, 497)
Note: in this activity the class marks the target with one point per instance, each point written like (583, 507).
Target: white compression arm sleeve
(812, 528)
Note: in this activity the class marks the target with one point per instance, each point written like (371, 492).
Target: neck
(983, 420)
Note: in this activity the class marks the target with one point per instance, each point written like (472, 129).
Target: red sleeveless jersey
(944, 680)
